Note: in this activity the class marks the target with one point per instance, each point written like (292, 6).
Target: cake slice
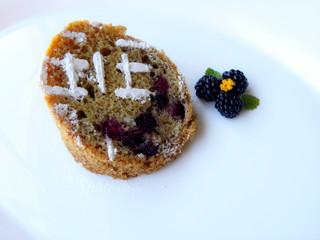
(121, 106)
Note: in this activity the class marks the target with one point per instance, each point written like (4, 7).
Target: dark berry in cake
(161, 84)
(177, 110)
(111, 128)
(228, 105)
(148, 149)
(146, 123)
(240, 81)
(133, 139)
(160, 101)
(207, 88)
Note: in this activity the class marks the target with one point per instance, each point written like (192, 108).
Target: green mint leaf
(249, 102)
(214, 73)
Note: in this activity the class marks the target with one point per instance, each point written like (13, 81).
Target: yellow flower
(227, 84)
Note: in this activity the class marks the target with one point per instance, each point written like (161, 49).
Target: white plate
(253, 177)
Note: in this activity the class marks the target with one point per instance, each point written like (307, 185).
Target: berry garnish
(177, 110)
(240, 81)
(211, 72)
(227, 85)
(207, 88)
(227, 92)
(228, 105)
(249, 102)
(146, 123)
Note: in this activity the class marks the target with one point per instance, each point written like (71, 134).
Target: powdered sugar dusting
(69, 113)
(130, 121)
(170, 149)
(55, 90)
(61, 109)
(78, 37)
(181, 82)
(95, 24)
(90, 77)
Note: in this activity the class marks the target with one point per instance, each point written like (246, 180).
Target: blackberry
(111, 128)
(133, 139)
(228, 105)
(148, 149)
(177, 110)
(160, 101)
(207, 88)
(146, 123)
(161, 84)
(241, 82)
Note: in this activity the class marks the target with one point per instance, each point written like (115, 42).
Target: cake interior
(141, 127)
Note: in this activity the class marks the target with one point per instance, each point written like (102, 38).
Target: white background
(287, 30)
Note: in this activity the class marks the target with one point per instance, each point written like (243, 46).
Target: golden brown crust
(92, 157)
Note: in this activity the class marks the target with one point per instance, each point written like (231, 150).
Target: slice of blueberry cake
(122, 107)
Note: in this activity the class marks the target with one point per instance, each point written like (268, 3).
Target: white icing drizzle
(129, 92)
(112, 151)
(71, 72)
(43, 71)
(56, 90)
(125, 69)
(99, 69)
(78, 37)
(79, 142)
(79, 64)
(79, 92)
(133, 44)
(133, 93)
(73, 68)
(135, 67)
